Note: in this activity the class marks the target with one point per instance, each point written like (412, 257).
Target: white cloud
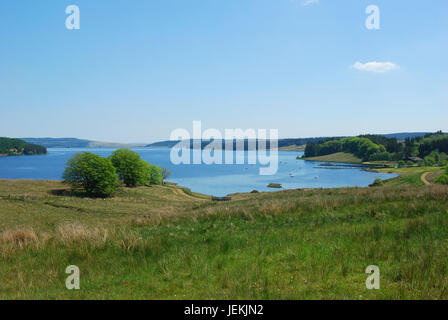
(378, 67)
(308, 2)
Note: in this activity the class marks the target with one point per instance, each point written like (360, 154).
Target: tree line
(431, 148)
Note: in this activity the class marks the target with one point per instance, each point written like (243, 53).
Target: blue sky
(136, 70)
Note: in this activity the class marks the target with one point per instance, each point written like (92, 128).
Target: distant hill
(17, 147)
(293, 143)
(283, 144)
(405, 135)
(163, 144)
(77, 143)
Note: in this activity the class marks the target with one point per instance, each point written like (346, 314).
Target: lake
(218, 180)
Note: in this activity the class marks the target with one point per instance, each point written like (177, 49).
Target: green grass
(336, 157)
(160, 243)
(410, 176)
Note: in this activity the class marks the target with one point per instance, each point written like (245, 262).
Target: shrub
(401, 164)
(442, 179)
(429, 161)
(377, 183)
(95, 174)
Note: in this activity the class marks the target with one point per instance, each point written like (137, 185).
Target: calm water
(216, 180)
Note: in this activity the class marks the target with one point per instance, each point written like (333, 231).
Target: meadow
(164, 242)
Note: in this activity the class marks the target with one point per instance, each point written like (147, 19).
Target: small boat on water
(291, 175)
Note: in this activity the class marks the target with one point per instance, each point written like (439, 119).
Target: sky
(137, 70)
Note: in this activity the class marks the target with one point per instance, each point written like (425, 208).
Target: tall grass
(302, 244)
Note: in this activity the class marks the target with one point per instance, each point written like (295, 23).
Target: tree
(150, 174)
(156, 174)
(134, 171)
(443, 178)
(165, 174)
(95, 174)
(429, 161)
(129, 166)
(311, 149)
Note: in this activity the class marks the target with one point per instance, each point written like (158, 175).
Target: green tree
(129, 166)
(150, 174)
(443, 178)
(156, 175)
(95, 174)
(429, 161)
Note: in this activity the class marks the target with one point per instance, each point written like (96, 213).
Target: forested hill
(204, 143)
(432, 148)
(17, 147)
(295, 141)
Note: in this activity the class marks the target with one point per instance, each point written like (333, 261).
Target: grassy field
(411, 176)
(293, 148)
(336, 157)
(164, 243)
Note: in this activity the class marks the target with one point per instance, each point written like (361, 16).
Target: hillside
(293, 144)
(161, 243)
(336, 157)
(288, 144)
(17, 147)
(77, 143)
(430, 149)
(405, 135)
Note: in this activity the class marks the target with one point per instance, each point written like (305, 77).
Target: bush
(442, 179)
(401, 164)
(377, 183)
(129, 166)
(95, 174)
(429, 161)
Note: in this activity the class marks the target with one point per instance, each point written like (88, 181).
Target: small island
(17, 147)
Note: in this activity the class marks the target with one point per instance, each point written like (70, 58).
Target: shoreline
(187, 190)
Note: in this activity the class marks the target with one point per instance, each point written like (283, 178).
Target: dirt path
(423, 178)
